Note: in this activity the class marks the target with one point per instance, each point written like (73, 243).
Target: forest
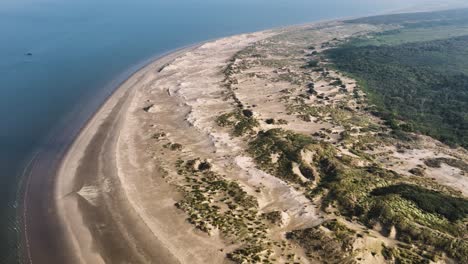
(416, 86)
(420, 19)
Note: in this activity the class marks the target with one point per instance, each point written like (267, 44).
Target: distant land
(333, 142)
(431, 6)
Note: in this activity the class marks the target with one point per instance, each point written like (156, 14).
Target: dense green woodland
(421, 19)
(418, 86)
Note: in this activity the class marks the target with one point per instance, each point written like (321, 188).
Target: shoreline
(36, 175)
(111, 111)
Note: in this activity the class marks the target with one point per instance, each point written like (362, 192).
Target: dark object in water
(29, 54)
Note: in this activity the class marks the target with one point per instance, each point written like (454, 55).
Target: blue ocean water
(56, 55)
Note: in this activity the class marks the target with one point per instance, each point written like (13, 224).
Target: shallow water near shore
(60, 59)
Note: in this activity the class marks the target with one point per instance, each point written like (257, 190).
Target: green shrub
(242, 122)
(286, 145)
(453, 208)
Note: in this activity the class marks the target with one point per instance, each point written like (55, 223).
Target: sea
(59, 59)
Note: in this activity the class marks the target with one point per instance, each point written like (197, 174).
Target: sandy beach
(84, 174)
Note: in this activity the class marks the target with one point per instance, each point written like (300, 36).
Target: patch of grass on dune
(287, 146)
(241, 122)
(452, 208)
(323, 246)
